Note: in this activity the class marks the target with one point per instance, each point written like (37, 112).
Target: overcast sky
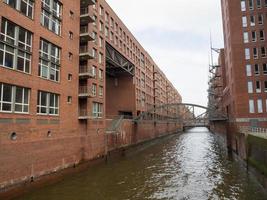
(176, 33)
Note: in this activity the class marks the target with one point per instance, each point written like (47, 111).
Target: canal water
(190, 166)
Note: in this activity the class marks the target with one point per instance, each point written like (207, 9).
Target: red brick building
(65, 68)
(245, 62)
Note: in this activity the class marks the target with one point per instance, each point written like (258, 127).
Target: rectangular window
(250, 87)
(97, 110)
(24, 6)
(100, 58)
(251, 106)
(252, 20)
(260, 19)
(247, 54)
(243, 5)
(258, 4)
(101, 26)
(100, 74)
(14, 99)
(255, 53)
(101, 91)
(264, 68)
(51, 15)
(262, 35)
(101, 11)
(256, 70)
(101, 42)
(49, 61)
(253, 36)
(265, 86)
(263, 52)
(15, 47)
(94, 89)
(248, 70)
(47, 103)
(106, 31)
(245, 36)
(259, 103)
(251, 4)
(258, 87)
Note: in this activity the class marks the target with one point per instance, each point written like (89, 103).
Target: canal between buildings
(193, 165)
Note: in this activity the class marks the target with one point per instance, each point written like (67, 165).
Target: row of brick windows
(15, 99)
(51, 15)
(251, 4)
(112, 24)
(257, 106)
(16, 52)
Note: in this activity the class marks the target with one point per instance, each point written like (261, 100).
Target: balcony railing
(85, 35)
(86, 91)
(86, 72)
(85, 17)
(84, 53)
(86, 3)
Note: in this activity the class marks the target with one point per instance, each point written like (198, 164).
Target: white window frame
(48, 107)
(12, 102)
(259, 106)
(250, 87)
(249, 70)
(251, 106)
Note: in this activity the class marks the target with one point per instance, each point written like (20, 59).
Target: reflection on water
(193, 166)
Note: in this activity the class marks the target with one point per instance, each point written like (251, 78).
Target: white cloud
(176, 34)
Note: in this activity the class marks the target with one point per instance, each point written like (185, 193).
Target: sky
(176, 34)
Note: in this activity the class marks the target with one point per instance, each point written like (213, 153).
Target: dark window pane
(19, 93)
(7, 93)
(23, 8)
(6, 107)
(44, 99)
(9, 60)
(20, 64)
(18, 108)
(26, 96)
(1, 57)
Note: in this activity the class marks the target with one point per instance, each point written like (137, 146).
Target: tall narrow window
(248, 70)
(262, 35)
(244, 21)
(243, 5)
(247, 54)
(258, 4)
(251, 106)
(250, 87)
(255, 53)
(251, 4)
(49, 61)
(265, 86)
(260, 19)
(252, 20)
(263, 52)
(94, 89)
(258, 87)
(259, 103)
(264, 68)
(245, 35)
(15, 47)
(253, 36)
(256, 69)
(97, 110)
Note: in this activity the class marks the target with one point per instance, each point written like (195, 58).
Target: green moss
(259, 166)
(254, 140)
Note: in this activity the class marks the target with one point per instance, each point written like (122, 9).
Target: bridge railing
(256, 131)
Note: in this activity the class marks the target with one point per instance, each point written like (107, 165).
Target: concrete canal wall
(26, 161)
(249, 145)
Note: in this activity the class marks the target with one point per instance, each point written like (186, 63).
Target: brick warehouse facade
(67, 69)
(244, 62)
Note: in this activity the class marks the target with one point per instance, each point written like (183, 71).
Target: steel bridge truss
(117, 63)
(190, 115)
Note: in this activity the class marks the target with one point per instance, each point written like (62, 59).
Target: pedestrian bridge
(187, 114)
